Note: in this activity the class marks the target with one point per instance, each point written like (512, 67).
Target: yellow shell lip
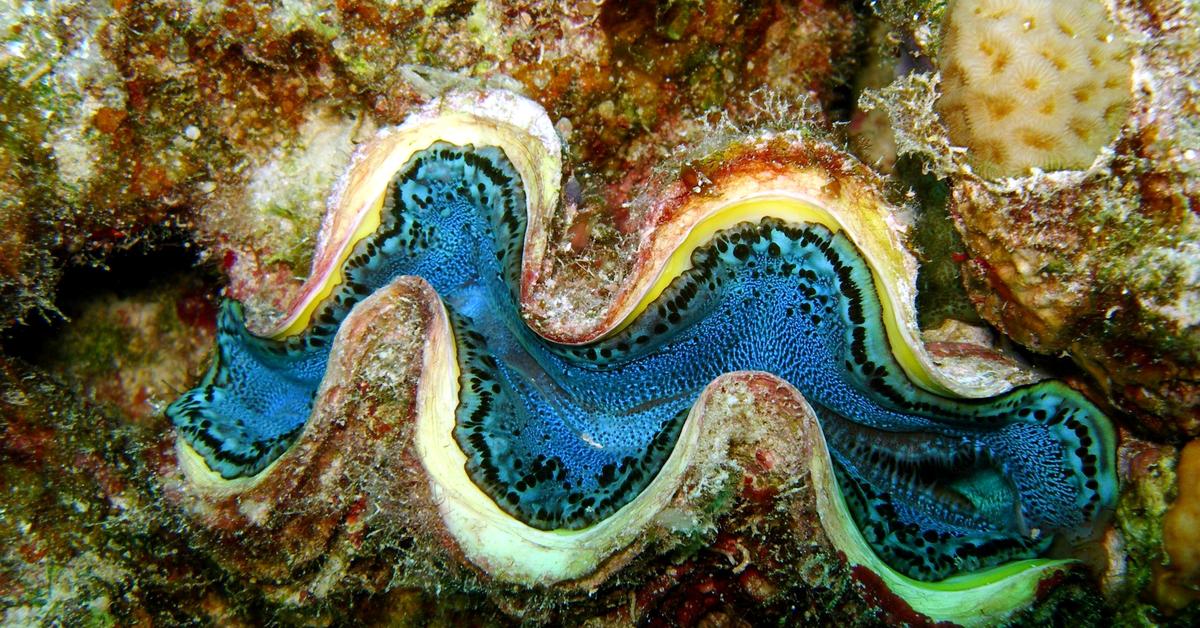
(806, 190)
(492, 118)
(792, 205)
(204, 480)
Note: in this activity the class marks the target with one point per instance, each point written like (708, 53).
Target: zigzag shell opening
(1032, 84)
(846, 200)
(511, 551)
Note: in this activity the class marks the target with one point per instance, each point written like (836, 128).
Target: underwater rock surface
(164, 156)
(1093, 257)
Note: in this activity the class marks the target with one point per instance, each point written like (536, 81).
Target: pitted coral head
(1033, 83)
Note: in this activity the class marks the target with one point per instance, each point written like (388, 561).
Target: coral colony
(1033, 84)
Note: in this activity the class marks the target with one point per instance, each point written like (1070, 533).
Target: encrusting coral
(1032, 84)
(1178, 583)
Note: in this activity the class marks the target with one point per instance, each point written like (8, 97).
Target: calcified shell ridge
(561, 437)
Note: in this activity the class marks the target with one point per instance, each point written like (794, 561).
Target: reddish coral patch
(1049, 583)
(26, 442)
(196, 309)
(107, 120)
(765, 459)
(756, 585)
(31, 552)
(756, 490)
(876, 592)
(108, 479)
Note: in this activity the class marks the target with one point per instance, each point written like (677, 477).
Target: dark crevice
(163, 258)
(843, 98)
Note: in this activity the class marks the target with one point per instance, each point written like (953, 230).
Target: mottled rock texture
(212, 131)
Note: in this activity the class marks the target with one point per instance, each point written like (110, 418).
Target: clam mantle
(548, 459)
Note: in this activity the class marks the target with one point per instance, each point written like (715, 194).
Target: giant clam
(544, 464)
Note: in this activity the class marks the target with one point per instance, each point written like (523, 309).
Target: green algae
(83, 544)
(100, 346)
(27, 270)
(940, 291)
(1139, 516)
